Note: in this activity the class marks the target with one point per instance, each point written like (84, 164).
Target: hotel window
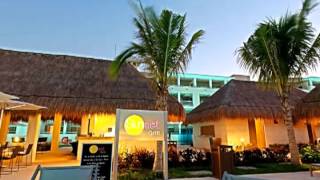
(186, 99)
(203, 83)
(207, 131)
(186, 82)
(173, 129)
(315, 83)
(12, 129)
(186, 130)
(46, 127)
(203, 97)
(217, 84)
(173, 81)
(72, 128)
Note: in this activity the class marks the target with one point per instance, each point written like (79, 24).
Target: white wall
(203, 141)
(232, 130)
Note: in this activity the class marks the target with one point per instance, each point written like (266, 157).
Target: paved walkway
(305, 175)
(204, 178)
(275, 176)
(26, 173)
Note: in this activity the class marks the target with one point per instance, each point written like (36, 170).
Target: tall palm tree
(279, 52)
(161, 46)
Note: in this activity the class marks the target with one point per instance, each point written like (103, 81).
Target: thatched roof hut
(244, 99)
(75, 86)
(309, 106)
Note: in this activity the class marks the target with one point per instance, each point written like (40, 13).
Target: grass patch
(272, 168)
(189, 172)
(181, 172)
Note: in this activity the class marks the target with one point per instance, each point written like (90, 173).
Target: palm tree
(161, 47)
(279, 52)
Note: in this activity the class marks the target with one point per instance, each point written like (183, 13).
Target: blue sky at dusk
(102, 28)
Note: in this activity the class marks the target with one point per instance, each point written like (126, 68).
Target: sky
(102, 28)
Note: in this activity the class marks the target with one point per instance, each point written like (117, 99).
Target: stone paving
(26, 173)
(305, 175)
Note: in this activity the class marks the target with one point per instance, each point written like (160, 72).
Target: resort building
(307, 110)
(80, 99)
(243, 114)
(191, 90)
(308, 83)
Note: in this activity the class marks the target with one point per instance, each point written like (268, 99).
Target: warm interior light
(242, 140)
(16, 139)
(134, 125)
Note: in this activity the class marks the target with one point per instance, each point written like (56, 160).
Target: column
(5, 127)
(194, 82)
(92, 123)
(55, 140)
(84, 125)
(33, 131)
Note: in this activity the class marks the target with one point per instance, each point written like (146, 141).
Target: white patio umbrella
(4, 96)
(9, 102)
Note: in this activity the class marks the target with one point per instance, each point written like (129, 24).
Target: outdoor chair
(5, 145)
(9, 156)
(314, 166)
(24, 153)
(66, 173)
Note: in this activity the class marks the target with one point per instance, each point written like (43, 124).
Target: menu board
(98, 154)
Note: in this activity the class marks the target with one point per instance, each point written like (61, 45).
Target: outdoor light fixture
(16, 139)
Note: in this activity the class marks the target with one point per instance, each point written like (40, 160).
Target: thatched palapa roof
(241, 99)
(309, 106)
(75, 86)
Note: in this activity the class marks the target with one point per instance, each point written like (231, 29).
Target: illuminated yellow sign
(134, 125)
(93, 149)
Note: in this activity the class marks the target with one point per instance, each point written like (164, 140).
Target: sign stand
(118, 130)
(116, 147)
(165, 148)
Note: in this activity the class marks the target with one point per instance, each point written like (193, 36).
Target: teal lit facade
(308, 83)
(191, 90)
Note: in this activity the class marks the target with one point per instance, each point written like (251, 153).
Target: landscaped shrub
(256, 156)
(310, 154)
(276, 153)
(195, 158)
(143, 159)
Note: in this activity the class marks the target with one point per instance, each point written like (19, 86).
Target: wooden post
(158, 160)
(115, 147)
(33, 133)
(84, 124)
(55, 140)
(165, 147)
(5, 127)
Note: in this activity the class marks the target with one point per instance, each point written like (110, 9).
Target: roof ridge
(79, 57)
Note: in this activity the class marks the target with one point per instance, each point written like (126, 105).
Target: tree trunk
(287, 114)
(161, 105)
